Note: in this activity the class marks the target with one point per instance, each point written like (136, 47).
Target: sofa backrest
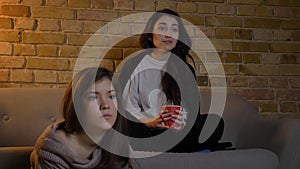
(25, 113)
(239, 116)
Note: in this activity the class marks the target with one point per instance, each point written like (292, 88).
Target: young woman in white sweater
(161, 75)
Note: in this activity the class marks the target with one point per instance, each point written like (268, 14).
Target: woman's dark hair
(181, 50)
(72, 103)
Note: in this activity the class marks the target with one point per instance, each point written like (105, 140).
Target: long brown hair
(181, 50)
(73, 100)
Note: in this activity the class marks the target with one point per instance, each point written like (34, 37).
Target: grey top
(50, 152)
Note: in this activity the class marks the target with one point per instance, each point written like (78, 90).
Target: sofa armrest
(286, 143)
(245, 129)
(279, 136)
(15, 157)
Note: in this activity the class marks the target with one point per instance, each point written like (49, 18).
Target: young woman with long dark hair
(90, 111)
(156, 77)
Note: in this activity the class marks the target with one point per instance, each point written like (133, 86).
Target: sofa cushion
(15, 157)
(231, 159)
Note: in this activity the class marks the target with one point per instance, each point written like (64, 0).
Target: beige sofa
(260, 143)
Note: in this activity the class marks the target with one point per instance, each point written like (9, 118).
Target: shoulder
(49, 138)
(48, 149)
(127, 67)
(133, 60)
(49, 132)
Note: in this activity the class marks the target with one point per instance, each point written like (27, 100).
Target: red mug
(170, 109)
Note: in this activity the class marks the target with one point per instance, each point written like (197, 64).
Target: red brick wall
(258, 42)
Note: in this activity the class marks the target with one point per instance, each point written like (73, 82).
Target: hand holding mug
(173, 116)
(179, 119)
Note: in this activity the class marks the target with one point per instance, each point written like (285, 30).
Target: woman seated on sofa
(90, 114)
(160, 75)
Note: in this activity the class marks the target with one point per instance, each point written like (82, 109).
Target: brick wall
(258, 42)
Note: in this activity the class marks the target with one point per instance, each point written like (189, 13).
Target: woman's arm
(37, 162)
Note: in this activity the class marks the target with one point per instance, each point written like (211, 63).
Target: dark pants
(189, 143)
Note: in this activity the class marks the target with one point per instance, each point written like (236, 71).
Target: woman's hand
(158, 121)
(179, 119)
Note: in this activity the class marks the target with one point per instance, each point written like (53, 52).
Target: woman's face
(99, 107)
(165, 33)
